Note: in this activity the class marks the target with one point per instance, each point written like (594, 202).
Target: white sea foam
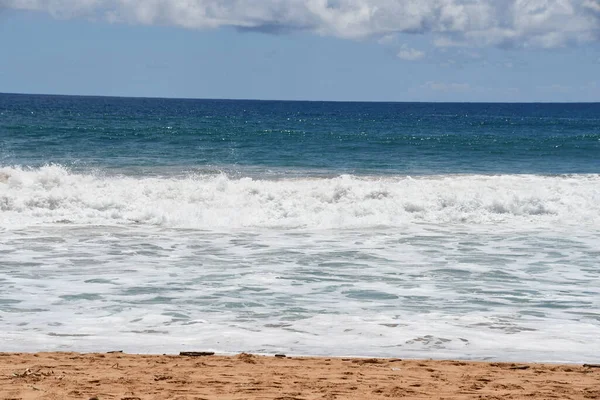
(51, 194)
(501, 267)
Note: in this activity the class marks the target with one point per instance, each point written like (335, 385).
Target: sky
(343, 50)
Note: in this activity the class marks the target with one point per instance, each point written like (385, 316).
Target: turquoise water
(375, 229)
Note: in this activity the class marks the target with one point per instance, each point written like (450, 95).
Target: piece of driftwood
(197, 353)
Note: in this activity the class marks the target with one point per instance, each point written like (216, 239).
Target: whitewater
(51, 194)
(470, 266)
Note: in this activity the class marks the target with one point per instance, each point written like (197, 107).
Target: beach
(420, 231)
(245, 376)
(299, 200)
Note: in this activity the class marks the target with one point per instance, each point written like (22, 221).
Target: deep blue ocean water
(374, 229)
(303, 137)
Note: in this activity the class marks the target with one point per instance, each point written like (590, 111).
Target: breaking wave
(52, 194)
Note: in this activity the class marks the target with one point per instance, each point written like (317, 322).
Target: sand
(130, 377)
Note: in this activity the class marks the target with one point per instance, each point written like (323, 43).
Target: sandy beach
(244, 376)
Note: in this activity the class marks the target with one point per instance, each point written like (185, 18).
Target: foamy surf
(451, 266)
(54, 195)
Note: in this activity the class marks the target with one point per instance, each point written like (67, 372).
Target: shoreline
(124, 376)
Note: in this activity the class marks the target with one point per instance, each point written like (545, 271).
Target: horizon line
(292, 100)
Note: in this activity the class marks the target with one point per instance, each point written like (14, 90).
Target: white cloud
(388, 40)
(409, 54)
(502, 23)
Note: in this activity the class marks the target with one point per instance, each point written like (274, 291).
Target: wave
(52, 194)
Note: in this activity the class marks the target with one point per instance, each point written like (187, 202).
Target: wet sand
(130, 377)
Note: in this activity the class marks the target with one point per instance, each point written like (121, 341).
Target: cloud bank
(500, 23)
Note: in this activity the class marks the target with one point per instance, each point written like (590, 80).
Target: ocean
(417, 230)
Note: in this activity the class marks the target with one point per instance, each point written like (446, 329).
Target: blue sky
(371, 50)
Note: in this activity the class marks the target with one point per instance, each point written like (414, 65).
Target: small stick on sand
(197, 353)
